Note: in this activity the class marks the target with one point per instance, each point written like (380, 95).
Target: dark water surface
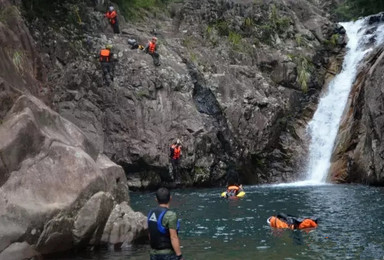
(351, 224)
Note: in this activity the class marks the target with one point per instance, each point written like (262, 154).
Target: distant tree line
(353, 9)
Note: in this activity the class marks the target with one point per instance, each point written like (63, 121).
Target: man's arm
(175, 241)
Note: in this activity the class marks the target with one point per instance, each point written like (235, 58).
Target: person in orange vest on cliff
(111, 14)
(106, 62)
(151, 49)
(175, 153)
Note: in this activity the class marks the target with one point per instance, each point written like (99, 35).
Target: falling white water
(325, 123)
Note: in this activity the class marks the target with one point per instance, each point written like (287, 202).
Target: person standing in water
(163, 227)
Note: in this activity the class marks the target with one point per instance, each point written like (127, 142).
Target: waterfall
(324, 125)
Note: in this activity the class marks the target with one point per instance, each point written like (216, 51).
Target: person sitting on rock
(106, 61)
(175, 153)
(151, 49)
(111, 14)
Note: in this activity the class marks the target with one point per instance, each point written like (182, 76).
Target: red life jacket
(151, 47)
(104, 55)
(111, 16)
(176, 151)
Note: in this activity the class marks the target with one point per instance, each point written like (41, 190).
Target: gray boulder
(57, 191)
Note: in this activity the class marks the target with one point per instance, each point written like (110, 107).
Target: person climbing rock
(151, 49)
(175, 153)
(111, 14)
(163, 227)
(285, 221)
(106, 61)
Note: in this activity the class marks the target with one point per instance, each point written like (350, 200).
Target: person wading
(175, 153)
(163, 226)
(111, 14)
(151, 49)
(106, 62)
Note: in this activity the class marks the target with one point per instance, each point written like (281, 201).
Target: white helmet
(111, 8)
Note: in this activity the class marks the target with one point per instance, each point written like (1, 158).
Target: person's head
(154, 39)
(108, 46)
(178, 142)
(111, 8)
(163, 196)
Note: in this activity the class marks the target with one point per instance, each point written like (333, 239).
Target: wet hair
(163, 195)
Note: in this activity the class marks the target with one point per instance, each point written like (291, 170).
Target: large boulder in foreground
(56, 190)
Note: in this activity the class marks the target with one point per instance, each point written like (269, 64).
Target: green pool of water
(351, 224)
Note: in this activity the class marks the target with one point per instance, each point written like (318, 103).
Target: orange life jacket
(176, 152)
(307, 223)
(151, 47)
(233, 187)
(111, 16)
(104, 55)
(277, 223)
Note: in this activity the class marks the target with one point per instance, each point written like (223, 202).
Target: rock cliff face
(57, 190)
(237, 84)
(358, 154)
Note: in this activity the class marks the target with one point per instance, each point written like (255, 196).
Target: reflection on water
(351, 224)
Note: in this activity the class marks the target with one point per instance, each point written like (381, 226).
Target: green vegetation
(248, 22)
(8, 14)
(131, 8)
(299, 39)
(18, 58)
(266, 34)
(209, 35)
(352, 9)
(303, 72)
(276, 24)
(222, 28)
(234, 38)
(333, 41)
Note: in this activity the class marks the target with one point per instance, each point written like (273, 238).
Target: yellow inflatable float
(239, 195)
